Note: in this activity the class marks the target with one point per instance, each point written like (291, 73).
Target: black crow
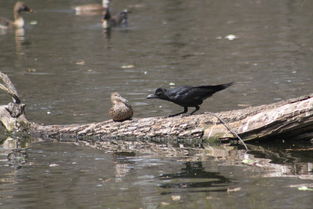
(187, 96)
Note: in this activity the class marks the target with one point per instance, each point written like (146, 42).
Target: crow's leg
(185, 110)
(197, 108)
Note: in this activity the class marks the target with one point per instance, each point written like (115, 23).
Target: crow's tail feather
(215, 88)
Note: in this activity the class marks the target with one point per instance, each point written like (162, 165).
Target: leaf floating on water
(172, 84)
(235, 189)
(247, 161)
(81, 62)
(164, 203)
(34, 22)
(53, 165)
(305, 188)
(127, 66)
(231, 37)
(175, 197)
(31, 70)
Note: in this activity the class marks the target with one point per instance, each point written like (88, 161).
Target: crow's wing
(187, 96)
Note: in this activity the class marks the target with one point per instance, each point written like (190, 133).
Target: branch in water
(9, 88)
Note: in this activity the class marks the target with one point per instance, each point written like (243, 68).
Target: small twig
(230, 130)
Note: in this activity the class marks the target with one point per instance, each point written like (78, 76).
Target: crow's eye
(158, 92)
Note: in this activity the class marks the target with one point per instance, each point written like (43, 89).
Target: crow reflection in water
(194, 175)
(187, 96)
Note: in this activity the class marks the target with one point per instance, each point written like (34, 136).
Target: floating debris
(81, 62)
(172, 84)
(127, 66)
(165, 203)
(248, 161)
(53, 165)
(176, 197)
(34, 22)
(31, 70)
(231, 37)
(305, 188)
(234, 189)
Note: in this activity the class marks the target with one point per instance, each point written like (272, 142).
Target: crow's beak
(152, 96)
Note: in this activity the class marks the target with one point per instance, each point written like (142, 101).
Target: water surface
(65, 66)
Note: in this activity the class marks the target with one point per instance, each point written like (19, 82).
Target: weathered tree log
(293, 117)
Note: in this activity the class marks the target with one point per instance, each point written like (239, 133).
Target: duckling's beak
(152, 96)
(123, 99)
(27, 9)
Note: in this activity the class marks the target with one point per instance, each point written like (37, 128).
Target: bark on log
(292, 117)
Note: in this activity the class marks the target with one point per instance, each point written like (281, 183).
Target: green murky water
(65, 67)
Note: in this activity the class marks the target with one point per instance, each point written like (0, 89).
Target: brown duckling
(18, 21)
(92, 7)
(121, 110)
(121, 19)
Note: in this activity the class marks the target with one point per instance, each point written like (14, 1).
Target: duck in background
(18, 21)
(92, 8)
(121, 19)
(121, 110)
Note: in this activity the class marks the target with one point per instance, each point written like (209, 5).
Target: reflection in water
(17, 158)
(89, 13)
(15, 148)
(63, 175)
(19, 40)
(194, 176)
(19, 36)
(107, 33)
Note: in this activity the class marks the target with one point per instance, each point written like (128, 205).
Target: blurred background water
(65, 66)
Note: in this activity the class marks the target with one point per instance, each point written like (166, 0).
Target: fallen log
(293, 117)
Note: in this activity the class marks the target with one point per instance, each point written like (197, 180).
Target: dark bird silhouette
(187, 96)
(121, 19)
